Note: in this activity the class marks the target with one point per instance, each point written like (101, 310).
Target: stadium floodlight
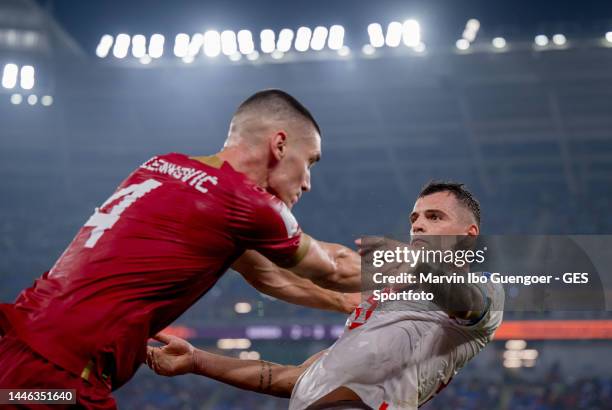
(473, 25)
(249, 355)
(104, 46)
(345, 51)
(336, 37)
(513, 354)
(32, 99)
(469, 34)
(212, 43)
(420, 48)
(277, 54)
(229, 44)
(499, 42)
(302, 39)
(529, 354)
(9, 76)
(285, 39)
(145, 59)
(462, 44)
(368, 50)
(541, 40)
(188, 59)
(122, 45)
(242, 307)
(375, 32)
(267, 41)
(512, 363)
(319, 37)
(254, 55)
(181, 45)
(233, 343)
(516, 344)
(471, 30)
(609, 36)
(46, 100)
(27, 77)
(559, 39)
(139, 46)
(16, 99)
(245, 42)
(411, 33)
(236, 56)
(156, 46)
(394, 34)
(195, 45)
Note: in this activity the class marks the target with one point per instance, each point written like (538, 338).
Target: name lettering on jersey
(194, 177)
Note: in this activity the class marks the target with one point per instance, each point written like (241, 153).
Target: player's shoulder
(268, 207)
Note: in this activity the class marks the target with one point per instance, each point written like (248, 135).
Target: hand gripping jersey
(398, 359)
(159, 243)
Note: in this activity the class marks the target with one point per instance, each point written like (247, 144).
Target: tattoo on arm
(268, 386)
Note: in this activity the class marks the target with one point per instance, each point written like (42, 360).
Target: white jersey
(398, 359)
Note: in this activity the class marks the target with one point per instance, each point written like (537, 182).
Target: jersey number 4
(102, 221)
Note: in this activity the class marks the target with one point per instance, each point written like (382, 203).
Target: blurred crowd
(555, 391)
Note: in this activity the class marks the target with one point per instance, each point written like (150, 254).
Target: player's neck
(247, 162)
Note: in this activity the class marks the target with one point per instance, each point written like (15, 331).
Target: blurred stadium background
(512, 98)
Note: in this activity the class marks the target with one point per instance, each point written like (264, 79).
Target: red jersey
(159, 243)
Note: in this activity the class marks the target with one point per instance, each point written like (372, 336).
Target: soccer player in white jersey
(386, 359)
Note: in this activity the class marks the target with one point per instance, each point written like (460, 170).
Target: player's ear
(278, 145)
(473, 230)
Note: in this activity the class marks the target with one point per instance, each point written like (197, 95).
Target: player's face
(439, 214)
(290, 178)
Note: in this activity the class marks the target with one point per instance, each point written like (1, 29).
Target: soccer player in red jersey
(162, 240)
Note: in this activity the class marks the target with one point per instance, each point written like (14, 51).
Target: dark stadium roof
(442, 20)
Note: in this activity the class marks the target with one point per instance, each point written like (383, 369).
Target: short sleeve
(265, 224)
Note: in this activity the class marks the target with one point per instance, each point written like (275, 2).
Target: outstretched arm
(331, 266)
(180, 357)
(267, 277)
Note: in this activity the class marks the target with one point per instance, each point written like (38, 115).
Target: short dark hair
(459, 191)
(278, 100)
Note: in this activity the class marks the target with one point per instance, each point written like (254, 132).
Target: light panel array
(469, 34)
(408, 33)
(517, 355)
(244, 43)
(32, 99)
(13, 75)
(232, 44)
(542, 41)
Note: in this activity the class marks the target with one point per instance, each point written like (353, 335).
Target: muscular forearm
(268, 278)
(346, 272)
(254, 375)
(303, 292)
